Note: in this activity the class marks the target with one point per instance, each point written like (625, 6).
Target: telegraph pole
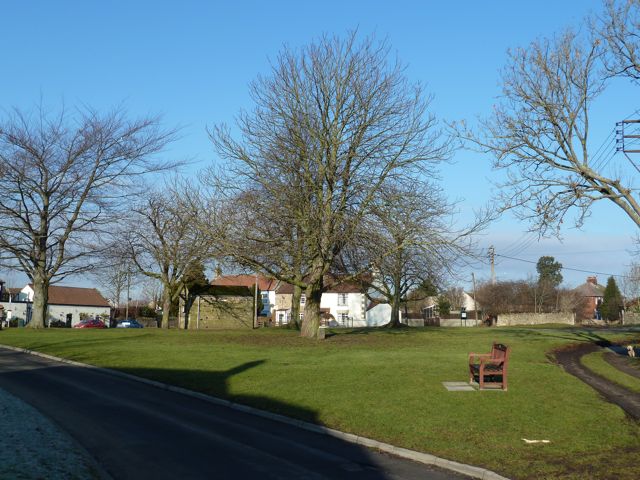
(622, 135)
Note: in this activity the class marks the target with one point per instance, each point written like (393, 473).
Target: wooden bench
(490, 368)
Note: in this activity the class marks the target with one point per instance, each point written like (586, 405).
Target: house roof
(589, 289)
(87, 297)
(244, 280)
(225, 291)
(286, 288)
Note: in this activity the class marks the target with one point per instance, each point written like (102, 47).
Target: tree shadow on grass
(403, 330)
(136, 430)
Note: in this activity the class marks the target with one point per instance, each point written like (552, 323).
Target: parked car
(90, 323)
(129, 323)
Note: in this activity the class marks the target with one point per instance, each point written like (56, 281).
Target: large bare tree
(332, 122)
(409, 238)
(165, 241)
(540, 130)
(619, 27)
(64, 175)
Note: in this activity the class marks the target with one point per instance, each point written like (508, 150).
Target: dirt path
(625, 399)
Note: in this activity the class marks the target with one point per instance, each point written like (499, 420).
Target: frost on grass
(32, 448)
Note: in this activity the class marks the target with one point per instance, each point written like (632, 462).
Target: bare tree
(456, 297)
(165, 239)
(151, 291)
(113, 279)
(256, 231)
(506, 297)
(407, 239)
(63, 177)
(619, 27)
(331, 124)
(630, 284)
(539, 134)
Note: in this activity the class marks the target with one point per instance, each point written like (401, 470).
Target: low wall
(631, 318)
(441, 322)
(508, 319)
(457, 322)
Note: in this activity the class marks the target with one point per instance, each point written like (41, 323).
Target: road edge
(420, 457)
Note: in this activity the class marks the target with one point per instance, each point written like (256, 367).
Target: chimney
(593, 280)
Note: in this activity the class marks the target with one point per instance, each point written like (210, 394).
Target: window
(303, 299)
(343, 299)
(301, 316)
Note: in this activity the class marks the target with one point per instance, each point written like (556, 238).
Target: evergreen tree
(549, 271)
(194, 278)
(444, 306)
(612, 301)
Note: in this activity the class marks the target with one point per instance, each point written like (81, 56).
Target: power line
(563, 267)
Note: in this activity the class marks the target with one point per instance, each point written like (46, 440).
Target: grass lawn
(388, 385)
(596, 363)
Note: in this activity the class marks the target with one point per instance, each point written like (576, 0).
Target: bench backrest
(500, 352)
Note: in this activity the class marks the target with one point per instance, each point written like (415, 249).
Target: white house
(69, 304)
(343, 305)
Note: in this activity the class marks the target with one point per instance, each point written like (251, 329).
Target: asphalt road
(137, 431)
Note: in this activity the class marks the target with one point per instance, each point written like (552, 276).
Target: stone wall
(212, 312)
(507, 319)
(457, 322)
(631, 318)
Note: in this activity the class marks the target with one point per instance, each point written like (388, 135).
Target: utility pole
(492, 259)
(475, 305)
(622, 135)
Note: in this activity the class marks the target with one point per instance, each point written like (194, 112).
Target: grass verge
(388, 385)
(596, 363)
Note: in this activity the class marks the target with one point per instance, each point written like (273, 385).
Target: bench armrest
(479, 354)
(475, 357)
(491, 361)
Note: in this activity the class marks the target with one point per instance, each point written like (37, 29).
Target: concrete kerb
(420, 457)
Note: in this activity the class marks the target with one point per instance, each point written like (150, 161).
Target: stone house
(266, 285)
(218, 307)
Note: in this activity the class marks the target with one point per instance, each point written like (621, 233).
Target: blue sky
(192, 61)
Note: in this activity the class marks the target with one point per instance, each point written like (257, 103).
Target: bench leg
(481, 377)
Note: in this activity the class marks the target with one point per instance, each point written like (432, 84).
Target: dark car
(129, 323)
(90, 323)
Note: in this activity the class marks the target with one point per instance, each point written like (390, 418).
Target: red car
(90, 323)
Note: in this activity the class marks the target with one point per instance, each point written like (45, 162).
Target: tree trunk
(40, 301)
(295, 308)
(395, 313)
(311, 320)
(166, 307)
